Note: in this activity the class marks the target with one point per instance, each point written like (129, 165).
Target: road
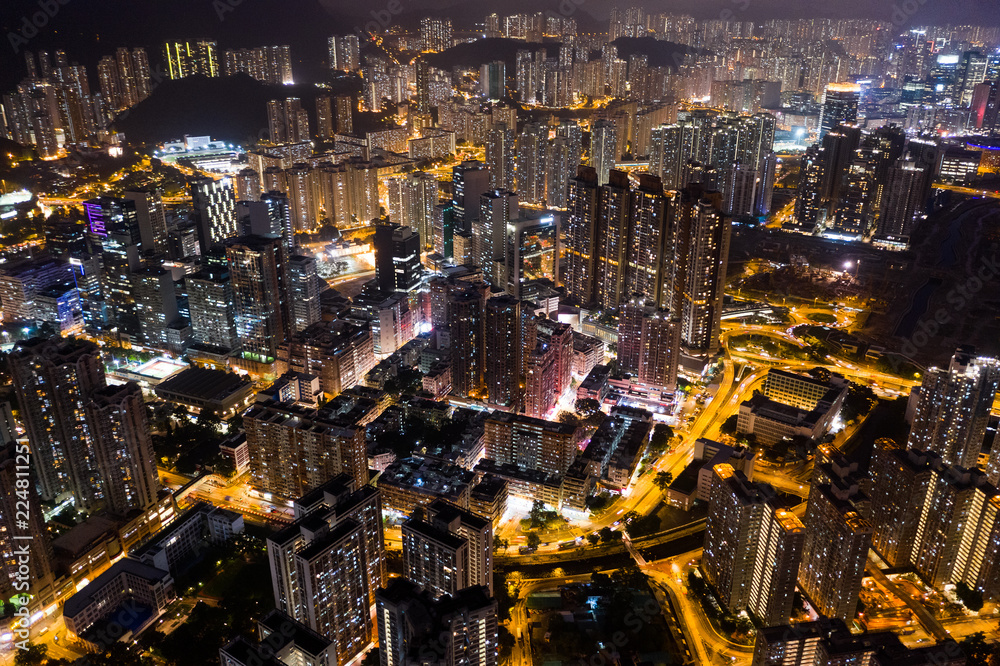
(519, 624)
(709, 646)
(924, 617)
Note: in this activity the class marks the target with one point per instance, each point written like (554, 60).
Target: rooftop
(204, 384)
(85, 597)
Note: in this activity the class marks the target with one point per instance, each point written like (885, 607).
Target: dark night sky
(88, 29)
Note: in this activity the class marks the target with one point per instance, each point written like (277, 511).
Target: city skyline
(499, 335)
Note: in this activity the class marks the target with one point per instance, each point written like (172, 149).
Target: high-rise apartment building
(547, 367)
(459, 629)
(505, 340)
(304, 287)
(295, 449)
(530, 442)
(186, 58)
(448, 549)
(840, 105)
(529, 253)
(115, 223)
(904, 199)
(124, 78)
(123, 448)
(156, 307)
(211, 305)
(397, 258)
(899, 485)
(583, 204)
(752, 547)
(466, 323)
(501, 151)
(469, 180)
(701, 252)
(496, 210)
(611, 246)
(18, 495)
(343, 53)
(287, 121)
(532, 145)
(54, 380)
(258, 274)
(214, 206)
(493, 80)
(648, 256)
(953, 407)
(435, 34)
(659, 349)
(838, 538)
(412, 198)
(603, 149)
(151, 218)
(338, 524)
(270, 64)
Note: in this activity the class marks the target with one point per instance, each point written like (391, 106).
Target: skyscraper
(448, 549)
(611, 240)
(54, 379)
(344, 53)
(953, 407)
(270, 64)
(532, 146)
(630, 318)
(840, 105)
(123, 448)
(809, 210)
(837, 541)
(466, 322)
(659, 349)
(412, 198)
(504, 355)
(530, 253)
(469, 180)
(151, 218)
(701, 251)
(186, 58)
(899, 487)
(496, 209)
(304, 288)
(397, 258)
(413, 628)
(493, 80)
(648, 259)
(287, 121)
(906, 191)
(435, 34)
(155, 306)
(18, 495)
(583, 203)
(214, 206)
(752, 547)
(603, 147)
(257, 269)
(210, 304)
(500, 156)
(115, 222)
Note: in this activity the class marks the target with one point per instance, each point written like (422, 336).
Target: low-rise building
(595, 385)
(130, 594)
(224, 393)
(176, 547)
(418, 481)
(588, 353)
